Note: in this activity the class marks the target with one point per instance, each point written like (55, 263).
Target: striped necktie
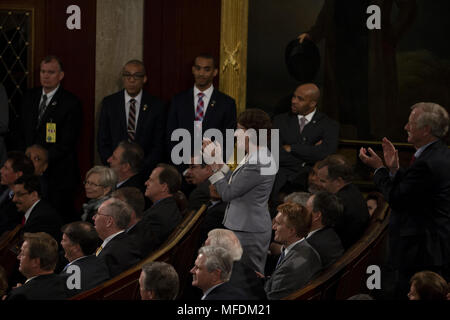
(132, 120)
(42, 108)
(200, 107)
(98, 251)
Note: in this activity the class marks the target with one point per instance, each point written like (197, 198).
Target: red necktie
(23, 220)
(413, 158)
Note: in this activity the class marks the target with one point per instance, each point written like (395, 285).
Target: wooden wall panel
(175, 31)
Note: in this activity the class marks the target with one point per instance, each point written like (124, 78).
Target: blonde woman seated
(99, 184)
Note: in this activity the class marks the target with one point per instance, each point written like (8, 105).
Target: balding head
(312, 91)
(305, 99)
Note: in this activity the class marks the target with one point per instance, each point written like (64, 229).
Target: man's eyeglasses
(135, 76)
(89, 183)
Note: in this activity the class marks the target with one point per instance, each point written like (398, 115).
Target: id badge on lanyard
(50, 132)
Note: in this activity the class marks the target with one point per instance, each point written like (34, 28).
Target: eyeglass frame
(136, 76)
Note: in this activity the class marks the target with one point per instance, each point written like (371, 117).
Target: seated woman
(99, 184)
(248, 187)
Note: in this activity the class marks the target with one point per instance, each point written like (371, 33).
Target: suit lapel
(313, 123)
(144, 112)
(121, 113)
(211, 104)
(189, 112)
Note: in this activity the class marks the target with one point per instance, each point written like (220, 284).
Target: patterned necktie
(42, 108)
(132, 120)
(98, 250)
(199, 109)
(302, 123)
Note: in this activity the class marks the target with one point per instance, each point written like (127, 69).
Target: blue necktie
(280, 258)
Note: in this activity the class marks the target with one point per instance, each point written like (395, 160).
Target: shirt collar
(50, 94)
(138, 98)
(308, 117)
(312, 232)
(422, 148)
(108, 239)
(286, 250)
(27, 214)
(210, 289)
(208, 92)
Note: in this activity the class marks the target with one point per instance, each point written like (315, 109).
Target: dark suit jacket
(93, 272)
(419, 196)
(43, 218)
(245, 278)
(227, 291)
(9, 216)
(63, 172)
(120, 254)
(157, 224)
(300, 265)
(213, 219)
(220, 114)
(44, 287)
(112, 127)
(328, 244)
(136, 181)
(65, 110)
(355, 218)
(199, 196)
(295, 165)
(304, 151)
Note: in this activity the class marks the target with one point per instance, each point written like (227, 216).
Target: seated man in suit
(214, 214)
(306, 136)
(38, 215)
(134, 115)
(15, 166)
(242, 276)
(127, 161)
(203, 105)
(118, 250)
(335, 175)
(158, 281)
(163, 216)
(38, 257)
(51, 116)
(211, 273)
(135, 199)
(198, 174)
(325, 208)
(79, 241)
(299, 262)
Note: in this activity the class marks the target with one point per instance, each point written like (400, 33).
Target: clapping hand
(390, 155)
(370, 158)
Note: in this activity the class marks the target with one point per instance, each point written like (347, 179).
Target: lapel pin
(213, 103)
(145, 107)
(54, 103)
